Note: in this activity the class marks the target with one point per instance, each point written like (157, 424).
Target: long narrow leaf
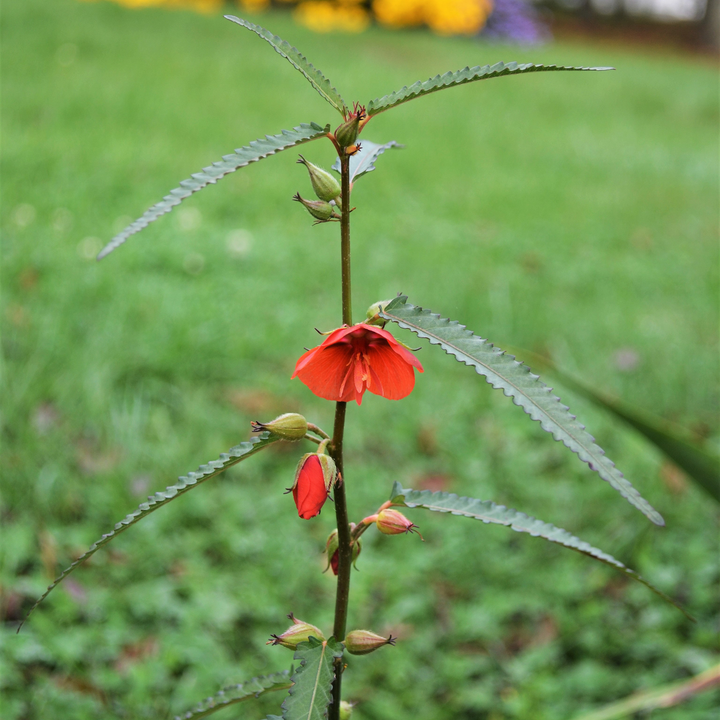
(461, 77)
(503, 372)
(185, 483)
(311, 694)
(363, 161)
(489, 512)
(299, 62)
(238, 693)
(702, 465)
(664, 696)
(256, 150)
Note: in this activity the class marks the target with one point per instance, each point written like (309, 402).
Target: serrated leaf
(489, 512)
(238, 693)
(185, 483)
(312, 692)
(299, 62)
(256, 150)
(363, 161)
(461, 77)
(516, 381)
(700, 464)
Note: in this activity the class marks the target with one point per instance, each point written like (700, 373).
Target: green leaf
(503, 372)
(312, 692)
(256, 150)
(664, 696)
(185, 483)
(489, 512)
(238, 693)
(299, 62)
(363, 161)
(700, 464)
(460, 77)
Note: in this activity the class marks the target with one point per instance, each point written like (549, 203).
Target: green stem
(342, 596)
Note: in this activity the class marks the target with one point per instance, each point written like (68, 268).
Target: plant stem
(342, 596)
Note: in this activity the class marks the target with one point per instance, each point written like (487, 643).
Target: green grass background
(571, 214)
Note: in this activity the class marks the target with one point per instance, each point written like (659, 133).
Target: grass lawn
(570, 214)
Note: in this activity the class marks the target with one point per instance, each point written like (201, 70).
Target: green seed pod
(322, 211)
(362, 642)
(289, 426)
(298, 632)
(325, 185)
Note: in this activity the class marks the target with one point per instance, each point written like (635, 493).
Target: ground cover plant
(153, 413)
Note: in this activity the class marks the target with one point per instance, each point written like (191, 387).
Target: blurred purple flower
(516, 21)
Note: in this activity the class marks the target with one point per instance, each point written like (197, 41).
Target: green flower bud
(322, 211)
(298, 632)
(331, 548)
(289, 426)
(373, 313)
(346, 709)
(362, 642)
(347, 133)
(392, 522)
(324, 184)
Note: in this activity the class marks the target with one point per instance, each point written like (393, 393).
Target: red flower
(316, 475)
(357, 358)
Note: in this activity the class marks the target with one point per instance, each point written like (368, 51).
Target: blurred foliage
(584, 211)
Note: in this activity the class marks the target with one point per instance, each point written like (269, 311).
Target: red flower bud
(315, 476)
(392, 522)
(298, 632)
(362, 642)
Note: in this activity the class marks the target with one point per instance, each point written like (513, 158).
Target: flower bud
(289, 426)
(322, 211)
(298, 632)
(315, 477)
(347, 133)
(346, 709)
(362, 642)
(331, 548)
(324, 184)
(392, 522)
(373, 313)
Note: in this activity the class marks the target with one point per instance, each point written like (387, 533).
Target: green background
(571, 214)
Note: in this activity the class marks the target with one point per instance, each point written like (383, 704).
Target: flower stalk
(342, 596)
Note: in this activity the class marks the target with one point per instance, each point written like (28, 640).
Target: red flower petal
(354, 359)
(310, 492)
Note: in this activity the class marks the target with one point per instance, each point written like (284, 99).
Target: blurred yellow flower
(399, 13)
(325, 16)
(205, 6)
(253, 5)
(445, 17)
